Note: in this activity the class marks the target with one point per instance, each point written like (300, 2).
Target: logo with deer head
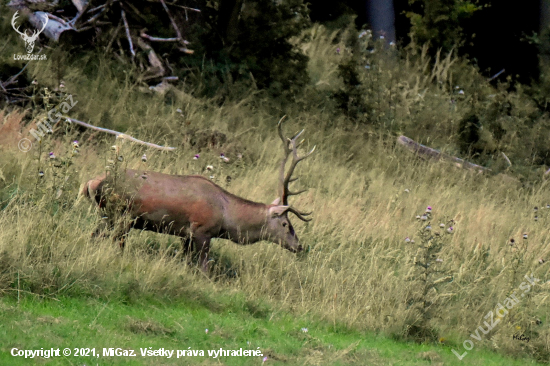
(29, 40)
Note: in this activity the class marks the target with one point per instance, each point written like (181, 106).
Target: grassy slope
(80, 322)
(356, 272)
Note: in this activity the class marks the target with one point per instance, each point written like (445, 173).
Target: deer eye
(284, 224)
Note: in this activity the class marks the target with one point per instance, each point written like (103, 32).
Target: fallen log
(55, 26)
(78, 16)
(426, 151)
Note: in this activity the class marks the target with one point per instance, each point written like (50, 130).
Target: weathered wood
(174, 25)
(80, 5)
(55, 26)
(157, 69)
(131, 45)
(120, 135)
(426, 151)
(103, 9)
(34, 5)
(158, 39)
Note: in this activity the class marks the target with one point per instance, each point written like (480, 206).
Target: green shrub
(254, 49)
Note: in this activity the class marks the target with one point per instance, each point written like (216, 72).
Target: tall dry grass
(365, 194)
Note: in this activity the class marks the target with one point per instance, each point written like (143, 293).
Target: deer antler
(15, 16)
(290, 146)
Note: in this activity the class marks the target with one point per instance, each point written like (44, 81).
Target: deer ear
(277, 210)
(277, 201)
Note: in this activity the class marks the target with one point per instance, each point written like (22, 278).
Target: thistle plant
(56, 170)
(114, 204)
(427, 274)
(517, 250)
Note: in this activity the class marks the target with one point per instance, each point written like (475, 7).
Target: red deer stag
(198, 210)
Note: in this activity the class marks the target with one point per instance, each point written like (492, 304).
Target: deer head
(278, 224)
(29, 40)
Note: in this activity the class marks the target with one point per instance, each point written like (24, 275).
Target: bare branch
(174, 25)
(506, 158)
(95, 17)
(436, 154)
(184, 7)
(60, 20)
(81, 6)
(120, 135)
(115, 34)
(158, 39)
(128, 33)
(96, 8)
(496, 75)
(14, 77)
(156, 69)
(186, 50)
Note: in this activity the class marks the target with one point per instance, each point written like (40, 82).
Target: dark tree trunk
(544, 15)
(381, 17)
(228, 19)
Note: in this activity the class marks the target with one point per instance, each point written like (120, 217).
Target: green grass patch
(181, 325)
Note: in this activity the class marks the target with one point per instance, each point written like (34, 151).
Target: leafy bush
(254, 47)
(439, 22)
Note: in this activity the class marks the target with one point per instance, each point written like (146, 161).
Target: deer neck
(245, 221)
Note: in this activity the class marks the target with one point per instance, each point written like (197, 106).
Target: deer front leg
(186, 245)
(202, 245)
(187, 249)
(121, 233)
(102, 228)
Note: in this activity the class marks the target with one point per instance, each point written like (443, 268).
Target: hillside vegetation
(359, 272)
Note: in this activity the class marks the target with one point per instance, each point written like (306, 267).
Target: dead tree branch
(120, 135)
(426, 151)
(174, 25)
(104, 21)
(157, 39)
(131, 45)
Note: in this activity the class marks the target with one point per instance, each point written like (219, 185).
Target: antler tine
(287, 152)
(290, 146)
(280, 130)
(300, 214)
(310, 152)
(281, 120)
(297, 135)
(290, 193)
(300, 158)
